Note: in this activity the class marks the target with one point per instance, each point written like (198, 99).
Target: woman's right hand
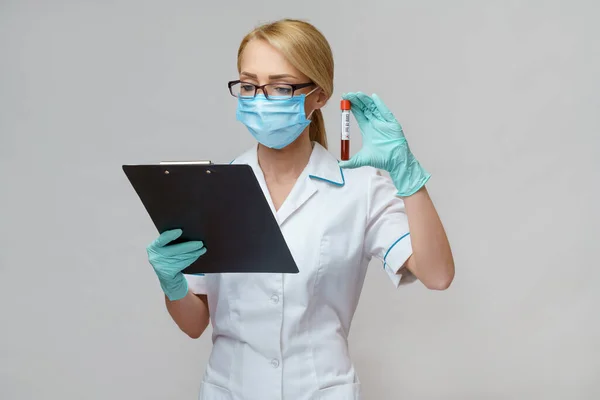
(169, 260)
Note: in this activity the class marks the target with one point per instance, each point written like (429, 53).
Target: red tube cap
(345, 105)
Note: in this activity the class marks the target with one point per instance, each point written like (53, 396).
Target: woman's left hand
(384, 144)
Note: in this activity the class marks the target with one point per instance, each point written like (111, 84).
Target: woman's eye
(283, 90)
(247, 88)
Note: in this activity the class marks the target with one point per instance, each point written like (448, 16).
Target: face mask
(273, 123)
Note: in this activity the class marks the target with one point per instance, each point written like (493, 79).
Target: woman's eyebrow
(249, 75)
(271, 77)
(281, 76)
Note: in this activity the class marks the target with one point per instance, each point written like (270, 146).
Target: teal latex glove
(384, 144)
(169, 260)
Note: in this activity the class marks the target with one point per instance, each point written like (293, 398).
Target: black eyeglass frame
(294, 86)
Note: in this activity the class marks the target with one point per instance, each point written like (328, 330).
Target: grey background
(499, 100)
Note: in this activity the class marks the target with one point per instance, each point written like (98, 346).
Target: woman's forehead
(263, 60)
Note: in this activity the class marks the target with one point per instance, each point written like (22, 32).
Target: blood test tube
(345, 129)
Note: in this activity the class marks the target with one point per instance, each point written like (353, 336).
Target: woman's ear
(315, 101)
(320, 98)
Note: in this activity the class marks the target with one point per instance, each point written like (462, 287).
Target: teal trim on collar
(342, 183)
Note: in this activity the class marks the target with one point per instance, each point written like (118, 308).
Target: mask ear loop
(305, 96)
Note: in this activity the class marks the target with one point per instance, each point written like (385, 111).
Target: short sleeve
(387, 235)
(196, 283)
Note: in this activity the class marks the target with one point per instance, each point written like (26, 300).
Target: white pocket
(208, 391)
(350, 391)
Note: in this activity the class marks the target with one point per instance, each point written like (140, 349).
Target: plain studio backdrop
(499, 101)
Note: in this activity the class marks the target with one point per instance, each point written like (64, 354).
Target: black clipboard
(220, 204)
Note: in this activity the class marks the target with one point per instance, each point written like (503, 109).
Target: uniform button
(274, 299)
(275, 363)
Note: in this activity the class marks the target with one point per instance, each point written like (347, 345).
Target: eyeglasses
(272, 91)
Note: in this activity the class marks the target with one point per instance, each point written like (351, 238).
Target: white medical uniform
(284, 336)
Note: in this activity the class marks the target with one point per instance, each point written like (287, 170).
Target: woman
(279, 336)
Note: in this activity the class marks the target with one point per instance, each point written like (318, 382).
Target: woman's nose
(262, 89)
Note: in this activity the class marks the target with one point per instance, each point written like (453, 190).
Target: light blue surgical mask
(274, 123)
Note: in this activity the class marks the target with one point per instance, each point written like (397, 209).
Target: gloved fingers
(356, 161)
(364, 99)
(166, 237)
(383, 109)
(357, 107)
(192, 255)
(357, 99)
(185, 260)
(200, 252)
(349, 96)
(359, 116)
(369, 107)
(181, 248)
(168, 267)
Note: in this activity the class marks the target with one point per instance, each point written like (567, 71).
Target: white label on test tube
(345, 124)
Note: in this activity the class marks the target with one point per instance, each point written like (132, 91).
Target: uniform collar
(322, 170)
(322, 165)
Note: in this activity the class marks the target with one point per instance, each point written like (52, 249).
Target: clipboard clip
(198, 162)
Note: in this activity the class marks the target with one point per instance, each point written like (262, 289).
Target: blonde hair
(308, 51)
